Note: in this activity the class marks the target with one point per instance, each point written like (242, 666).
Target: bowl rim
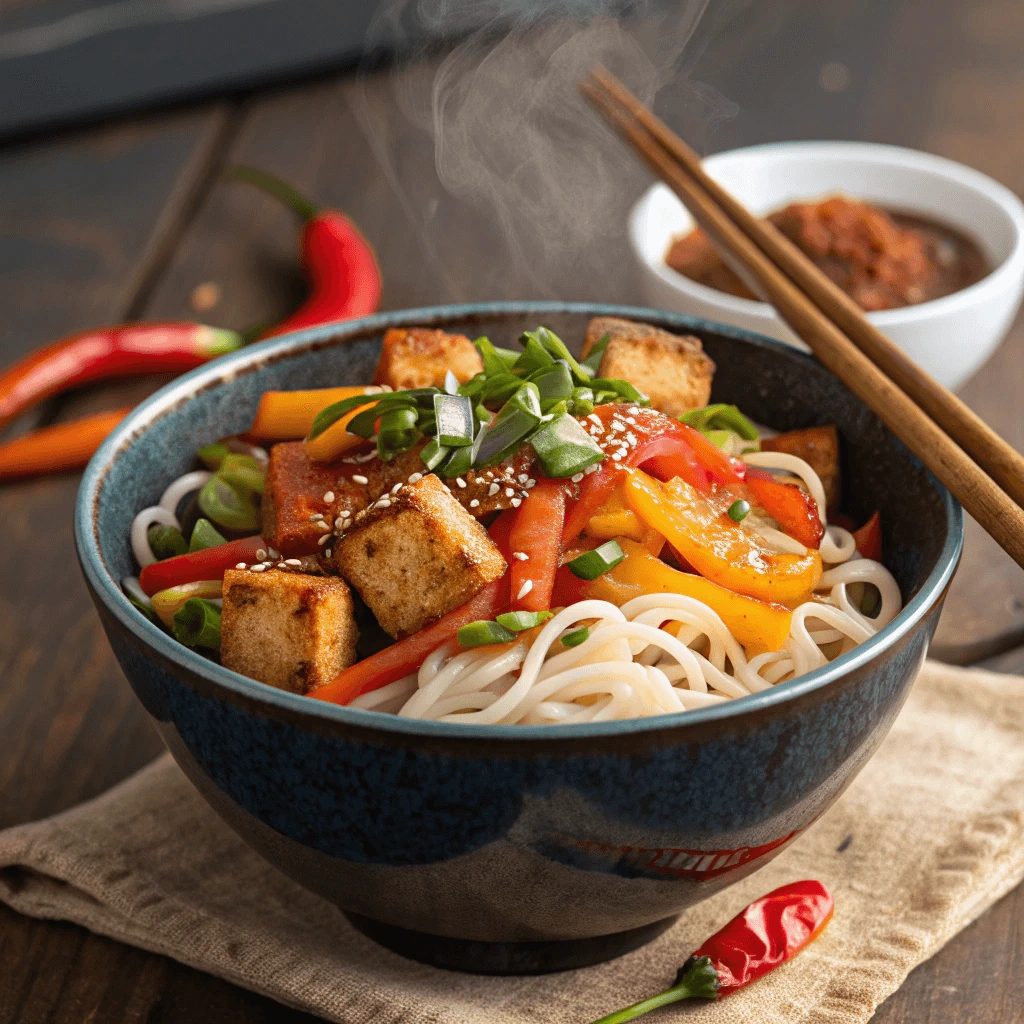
(896, 157)
(107, 589)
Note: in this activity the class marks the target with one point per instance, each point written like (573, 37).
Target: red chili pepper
(792, 508)
(537, 533)
(55, 449)
(344, 277)
(869, 538)
(208, 564)
(769, 932)
(107, 353)
(406, 656)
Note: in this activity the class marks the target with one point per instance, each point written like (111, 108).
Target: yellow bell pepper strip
(721, 550)
(167, 602)
(755, 624)
(336, 441)
(615, 519)
(289, 415)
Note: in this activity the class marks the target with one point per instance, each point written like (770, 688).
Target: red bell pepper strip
(869, 538)
(208, 564)
(769, 932)
(406, 656)
(537, 533)
(107, 353)
(792, 508)
(61, 447)
(344, 278)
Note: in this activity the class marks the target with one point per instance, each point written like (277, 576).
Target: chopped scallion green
(451, 383)
(621, 389)
(534, 355)
(518, 621)
(594, 356)
(398, 432)
(576, 637)
(564, 447)
(554, 383)
(518, 417)
(453, 415)
(496, 360)
(229, 506)
(460, 461)
(197, 624)
(329, 416)
(433, 454)
(243, 472)
(479, 634)
(721, 416)
(212, 455)
(205, 535)
(166, 541)
(592, 564)
(739, 510)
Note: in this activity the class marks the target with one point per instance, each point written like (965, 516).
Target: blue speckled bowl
(509, 848)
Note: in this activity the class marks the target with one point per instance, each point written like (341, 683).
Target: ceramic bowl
(516, 848)
(950, 337)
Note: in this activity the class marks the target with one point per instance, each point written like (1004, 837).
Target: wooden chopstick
(1001, 461)
(980, 495)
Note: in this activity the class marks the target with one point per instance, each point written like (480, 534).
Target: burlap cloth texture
(928, 836)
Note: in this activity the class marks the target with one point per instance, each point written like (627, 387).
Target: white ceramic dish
(950, 337)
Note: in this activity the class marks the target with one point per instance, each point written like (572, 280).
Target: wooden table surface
(127, 219)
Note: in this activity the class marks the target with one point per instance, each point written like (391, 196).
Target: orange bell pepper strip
(755, 624)
(615, 519)
(289, 415)
(537, 533)
(406, 656)
(869, 538)
(336, 441)
(721, 550)
(55, 449)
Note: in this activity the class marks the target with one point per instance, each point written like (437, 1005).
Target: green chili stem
(276, 187)
(697, 980)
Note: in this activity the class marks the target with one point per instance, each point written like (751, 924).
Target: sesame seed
(358, 478)
(474, 503)
(631, 439)
(293, 561)
(273, 553)
(492, 490)
(415, 478)
(531, 483)
(267, 564)
(327, 553)
(594, 418)
(316, 516)
(325, 526)
(633, 410)
(257, 568)
(261, 554)
(516, 502)
(384, 503)
(617, 456)
(240, 565)
(324, 539)
(576, 477)
(397, 487)
(630, 419)
(329, 497)
(524, 590)
(523, 477)
(280, 565)
(339, 523)
(366, 457)
(509, 492)
(460, 481)
(522, 556)
(591, 469)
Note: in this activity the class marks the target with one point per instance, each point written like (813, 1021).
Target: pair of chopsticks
(982, 471)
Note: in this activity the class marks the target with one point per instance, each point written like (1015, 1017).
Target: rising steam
(539, 184)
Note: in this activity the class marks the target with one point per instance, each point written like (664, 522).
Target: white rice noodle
(171, 498)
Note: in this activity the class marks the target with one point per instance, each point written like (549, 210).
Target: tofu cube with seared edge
(416, 555)
(673, 371)
(418, 357)
(287, 629)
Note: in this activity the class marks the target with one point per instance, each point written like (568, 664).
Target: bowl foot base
(507, 957)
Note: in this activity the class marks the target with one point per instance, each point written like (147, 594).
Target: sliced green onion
(197, 624)
(398, 432)
(451, 383)
(555, 347)
(739, 510)
(329, 416)
(454, 420)
(518, 417)
(146, 609)
(721, 416)
(205, 535)
(166, 541)
(576, 637)
(565, 448)
(242, 471)
(594, 357)
(212, 455)
(229, 506)
(496, 360)
(534, 355)
(479, 634)
(365, 424)
(433, 454)
(554, 383)
(460, 461)
(622, 389)
(518, 621)
(592, 564)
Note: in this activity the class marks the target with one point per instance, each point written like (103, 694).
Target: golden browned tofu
(671, 370)
(288, 629)
(419, 357)
(819, 448)
(415, 555)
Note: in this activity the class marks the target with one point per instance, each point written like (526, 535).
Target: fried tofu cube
(416, 555)
(819, 448)
(287, 629)
(302, 498)
(671, 370)
(419, 357)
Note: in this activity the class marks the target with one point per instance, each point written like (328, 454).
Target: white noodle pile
(629, 667)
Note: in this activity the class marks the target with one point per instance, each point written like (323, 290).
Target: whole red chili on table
(344, 278)
(769, 932)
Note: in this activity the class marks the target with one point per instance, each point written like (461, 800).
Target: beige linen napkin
(929, 835)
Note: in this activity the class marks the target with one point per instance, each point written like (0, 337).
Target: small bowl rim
(898, 157)
(108, 590)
